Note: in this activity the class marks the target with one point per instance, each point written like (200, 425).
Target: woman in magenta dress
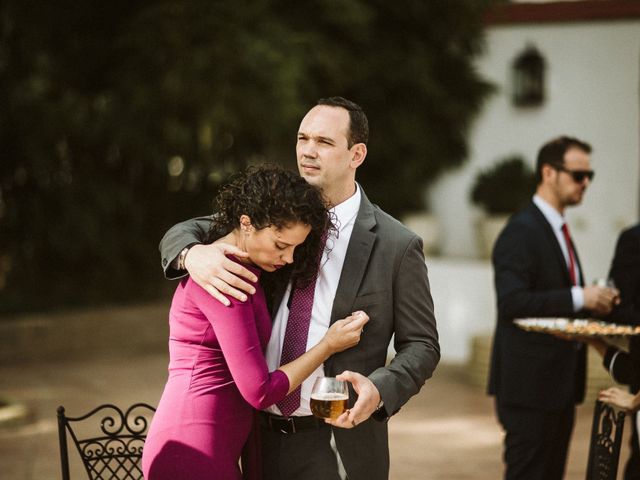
(217, 371)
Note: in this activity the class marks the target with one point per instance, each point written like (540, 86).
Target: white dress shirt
(325, 292)
(556, 220)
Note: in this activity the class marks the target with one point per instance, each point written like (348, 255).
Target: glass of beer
(329, 397)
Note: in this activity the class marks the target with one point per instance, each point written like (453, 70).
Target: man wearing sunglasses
(537, 378)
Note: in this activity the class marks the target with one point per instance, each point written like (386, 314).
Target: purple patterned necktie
(295, 336)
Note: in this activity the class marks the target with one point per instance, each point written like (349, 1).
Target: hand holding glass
(605, 282)
(609, 284)
(329, 397)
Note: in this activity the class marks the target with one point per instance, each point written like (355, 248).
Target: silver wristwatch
(181, 258)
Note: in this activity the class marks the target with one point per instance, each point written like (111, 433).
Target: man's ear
(359, 153)
(547, 171)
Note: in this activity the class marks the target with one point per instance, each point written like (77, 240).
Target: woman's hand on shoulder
(346, 333)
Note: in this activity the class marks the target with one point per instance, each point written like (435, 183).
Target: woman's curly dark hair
(272, 196)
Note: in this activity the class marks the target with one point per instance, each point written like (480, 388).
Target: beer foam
(329, 396)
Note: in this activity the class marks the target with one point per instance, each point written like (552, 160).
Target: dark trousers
(536, 442)
(632, 469)
(304, 455)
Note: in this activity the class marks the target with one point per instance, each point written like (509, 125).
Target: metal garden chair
(108, 440)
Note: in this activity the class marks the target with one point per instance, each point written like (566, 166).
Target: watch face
(182, 257)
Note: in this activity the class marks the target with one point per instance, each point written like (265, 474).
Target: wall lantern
(528, 78)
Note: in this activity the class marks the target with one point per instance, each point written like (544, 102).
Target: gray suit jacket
(384, 274)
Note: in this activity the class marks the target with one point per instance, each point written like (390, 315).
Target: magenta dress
(217, 377)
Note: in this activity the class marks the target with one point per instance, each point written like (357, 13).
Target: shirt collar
(555, 218)
(347, 210)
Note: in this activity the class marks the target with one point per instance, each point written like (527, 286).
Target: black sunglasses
(577, 175)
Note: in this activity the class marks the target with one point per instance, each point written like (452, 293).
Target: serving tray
(581, 327)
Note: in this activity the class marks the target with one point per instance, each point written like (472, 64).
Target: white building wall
(593, 93)
(593, 85)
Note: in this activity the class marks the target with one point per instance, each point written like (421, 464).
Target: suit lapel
(356, 259)
(551, 238)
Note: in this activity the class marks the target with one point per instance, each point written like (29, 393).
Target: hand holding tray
(578, 327)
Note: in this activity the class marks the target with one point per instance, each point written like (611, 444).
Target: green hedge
(120, 118)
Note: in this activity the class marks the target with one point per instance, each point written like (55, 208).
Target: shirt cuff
(577, 296)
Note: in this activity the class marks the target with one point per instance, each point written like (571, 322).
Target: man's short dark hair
(552, 153)
(358, 124)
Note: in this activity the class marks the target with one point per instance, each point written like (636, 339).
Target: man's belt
(288, 425)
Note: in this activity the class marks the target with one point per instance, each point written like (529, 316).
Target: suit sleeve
(179, 236)
(519, 261)
(416, 336)
(625, 271)
(619, 365)
(236, 332)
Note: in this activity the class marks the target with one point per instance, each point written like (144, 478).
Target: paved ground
(446, 432)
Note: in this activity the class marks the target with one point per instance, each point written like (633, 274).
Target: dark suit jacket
(625, 271)
(530, 369)
(384, 274)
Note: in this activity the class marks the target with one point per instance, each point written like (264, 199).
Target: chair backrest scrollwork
(108, 440)
(606, 437)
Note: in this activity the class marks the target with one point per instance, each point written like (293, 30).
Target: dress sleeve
(236, 332)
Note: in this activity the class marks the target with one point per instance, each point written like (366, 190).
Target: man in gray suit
(373, 264)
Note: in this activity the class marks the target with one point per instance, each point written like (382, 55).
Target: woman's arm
(343, 334)
(617, 362)
(235, 329)
(621, 399)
